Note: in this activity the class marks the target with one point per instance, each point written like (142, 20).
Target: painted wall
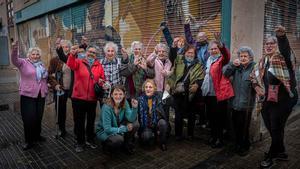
(119, 21)
(247, 28)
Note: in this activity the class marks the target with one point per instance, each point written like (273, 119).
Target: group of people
(138, 90)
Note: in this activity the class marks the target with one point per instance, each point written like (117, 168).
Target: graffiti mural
(121, 21)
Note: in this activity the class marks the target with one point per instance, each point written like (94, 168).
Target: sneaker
(79, 148)
(91, 144)
(267, 162)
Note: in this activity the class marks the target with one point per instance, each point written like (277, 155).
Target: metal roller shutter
(286, 13)
(140, 20)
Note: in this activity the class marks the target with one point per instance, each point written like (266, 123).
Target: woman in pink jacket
(162, 65)
(33, 90)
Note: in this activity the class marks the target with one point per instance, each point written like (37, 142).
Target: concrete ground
(60, 153)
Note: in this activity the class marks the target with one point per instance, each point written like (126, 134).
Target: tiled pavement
(59, 153)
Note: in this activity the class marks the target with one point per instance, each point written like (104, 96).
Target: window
(10, 13)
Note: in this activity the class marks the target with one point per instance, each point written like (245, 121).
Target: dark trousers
(275, 116)
(62, 110)
(160, 131)
(32, 110)
(241, 123)
(115, 142)
(184, 107)
(217, 115)
(84, 110)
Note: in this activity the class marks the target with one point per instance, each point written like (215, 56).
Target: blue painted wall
(40, 8)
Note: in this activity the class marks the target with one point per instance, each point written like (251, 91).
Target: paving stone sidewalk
(59, 153)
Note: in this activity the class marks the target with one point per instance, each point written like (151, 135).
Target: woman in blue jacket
(118, 122)
(152, 118)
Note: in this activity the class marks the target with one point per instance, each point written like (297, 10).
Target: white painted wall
(247, 26)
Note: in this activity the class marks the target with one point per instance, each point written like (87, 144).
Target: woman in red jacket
(217, 89)
(84, 97)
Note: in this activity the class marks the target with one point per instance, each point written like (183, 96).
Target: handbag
(179, 88)
(99, 91)
(273, 93)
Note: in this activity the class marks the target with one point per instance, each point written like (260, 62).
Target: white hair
(164, 46)
(136, 43)
(67, 42)
(245, 49)
(30, 50)
(110, 44)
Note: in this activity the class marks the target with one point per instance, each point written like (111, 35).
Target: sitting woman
(152, 118)
(117, 124)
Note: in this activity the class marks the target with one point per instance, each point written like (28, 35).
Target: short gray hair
(110, 44)
(94, 46)
(136, 43)
(30, 50)
(162, 45)
(272, 38)
(245, 49)
(67, 42)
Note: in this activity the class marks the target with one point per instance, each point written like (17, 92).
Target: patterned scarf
(147, 119)
(40, 70)
(278, 68)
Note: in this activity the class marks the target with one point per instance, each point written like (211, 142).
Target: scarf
(278, 69)
(40, 70)
(207, 85)
(148, 119)
(90, 61)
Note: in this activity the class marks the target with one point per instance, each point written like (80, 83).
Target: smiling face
(214, 50)
(149, 89)
(91, 52)
(201, 37)
(162, 53)
(137, 50)
(110, 53)
(244, 58)
(118, 96)
(190, 54)
(270, 46)
(35, 56)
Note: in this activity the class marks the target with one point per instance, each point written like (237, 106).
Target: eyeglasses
(270, 43)
(93, 52)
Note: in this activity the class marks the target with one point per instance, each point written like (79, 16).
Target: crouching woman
(118, 122)
(152, 118)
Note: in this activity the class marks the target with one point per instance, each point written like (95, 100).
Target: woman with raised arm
(33, 90)
(275, 84)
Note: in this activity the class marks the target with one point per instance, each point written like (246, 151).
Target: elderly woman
(162, 65)
(243, 101)
(216, 89)
(118, 122)
(33, 90)
(201, 42)
(111, 65)
(188, 74)
(60, 80)
(137, 70)
(275, 84)
(152, 118)
(87, 72)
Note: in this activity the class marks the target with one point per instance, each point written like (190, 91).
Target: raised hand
(236, 62)
(280, 30)
(217, 36)
(187, 20)
(57, 43)
(15, 45)
(134, 103)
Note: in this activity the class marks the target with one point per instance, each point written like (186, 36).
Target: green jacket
(108, 125)
(196, 74)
